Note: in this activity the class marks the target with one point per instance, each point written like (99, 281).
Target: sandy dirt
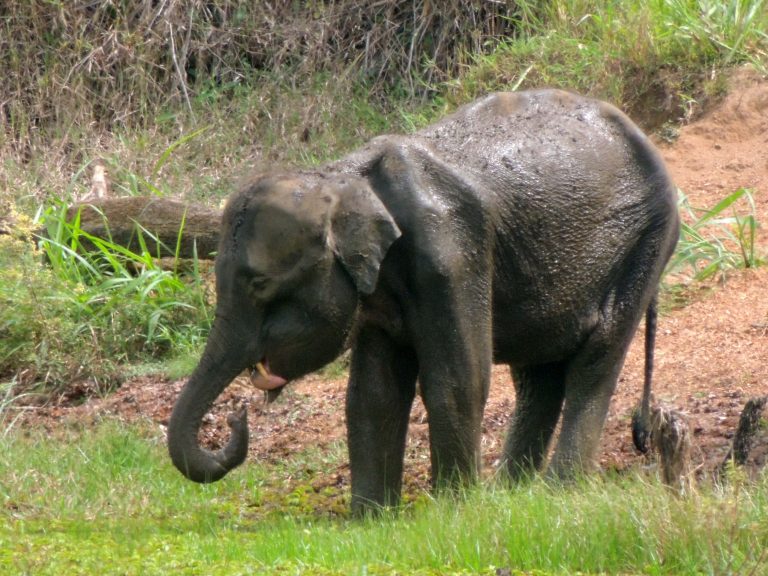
(711, 353)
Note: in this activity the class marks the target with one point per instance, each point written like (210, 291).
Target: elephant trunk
(213, 374)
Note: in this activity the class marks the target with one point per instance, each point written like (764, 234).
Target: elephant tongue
(262, 379)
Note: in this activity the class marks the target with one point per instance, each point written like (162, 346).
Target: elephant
(529, 229)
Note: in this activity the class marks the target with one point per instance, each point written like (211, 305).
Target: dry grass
(85, 64)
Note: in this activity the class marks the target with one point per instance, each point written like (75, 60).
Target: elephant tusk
(262, 377)
(262, 370)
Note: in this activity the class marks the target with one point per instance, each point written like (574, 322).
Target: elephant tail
(641, 417)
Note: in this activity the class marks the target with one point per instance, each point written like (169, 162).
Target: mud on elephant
(526, 228)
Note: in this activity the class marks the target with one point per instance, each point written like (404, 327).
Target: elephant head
(295, 254)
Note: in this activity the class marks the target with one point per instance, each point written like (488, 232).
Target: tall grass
(123, 63)
(734, 30)
(114, 488)
(275, 83)
(110, 278)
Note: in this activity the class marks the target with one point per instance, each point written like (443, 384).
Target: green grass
(622, 50)
(66, 499)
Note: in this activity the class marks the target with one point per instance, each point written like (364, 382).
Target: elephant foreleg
(455, 414)
(379, 397)
(455, 377)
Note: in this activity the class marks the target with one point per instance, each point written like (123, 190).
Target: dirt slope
(711, 355)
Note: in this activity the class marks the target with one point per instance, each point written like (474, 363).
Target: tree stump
(749, 424)
(170, 228)
(671, 437)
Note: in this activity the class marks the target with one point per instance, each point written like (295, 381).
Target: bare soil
(711, 353)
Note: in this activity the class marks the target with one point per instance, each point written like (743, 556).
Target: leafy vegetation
(73, 315)
(713, 241)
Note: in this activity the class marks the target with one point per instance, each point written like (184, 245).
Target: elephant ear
(362, 230)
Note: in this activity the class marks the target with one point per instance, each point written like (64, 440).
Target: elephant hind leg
(592, 372)
(538, 401)
(590, 381)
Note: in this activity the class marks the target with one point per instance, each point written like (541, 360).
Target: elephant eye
(257, 284)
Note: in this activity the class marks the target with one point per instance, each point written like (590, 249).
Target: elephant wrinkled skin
(526, 228)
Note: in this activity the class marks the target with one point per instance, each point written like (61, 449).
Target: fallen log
(169, 228)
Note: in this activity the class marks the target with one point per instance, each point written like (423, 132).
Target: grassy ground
(107, 501)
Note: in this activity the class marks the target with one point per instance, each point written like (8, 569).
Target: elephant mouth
(263, 379)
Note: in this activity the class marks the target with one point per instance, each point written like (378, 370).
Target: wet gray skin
(528, 228)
